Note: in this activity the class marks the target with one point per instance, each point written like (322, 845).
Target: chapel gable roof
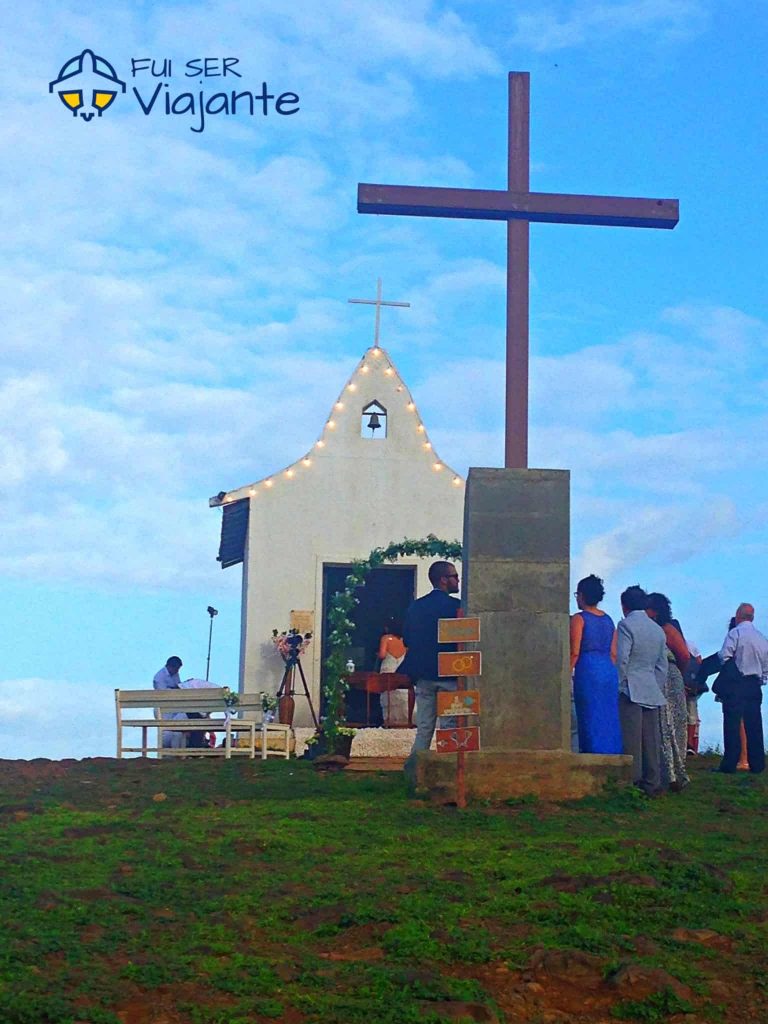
(375, 378)
(374, 384)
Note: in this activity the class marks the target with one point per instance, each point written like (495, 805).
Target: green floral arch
(341, 626)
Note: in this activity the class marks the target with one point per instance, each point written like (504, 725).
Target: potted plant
(318, 747)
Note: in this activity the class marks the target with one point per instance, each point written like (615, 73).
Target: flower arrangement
(290, 644)
(231, 699)
(269, 703)
(341, 625)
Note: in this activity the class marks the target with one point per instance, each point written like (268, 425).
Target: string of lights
(373, 361)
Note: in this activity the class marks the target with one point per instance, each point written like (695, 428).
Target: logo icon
(87, 85)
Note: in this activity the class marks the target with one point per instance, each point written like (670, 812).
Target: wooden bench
(206, 701)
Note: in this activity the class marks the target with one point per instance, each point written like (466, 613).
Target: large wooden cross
(518, 206)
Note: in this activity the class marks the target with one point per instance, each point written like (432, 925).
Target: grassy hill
(231, 893)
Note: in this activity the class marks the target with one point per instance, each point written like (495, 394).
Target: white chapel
(371, 478)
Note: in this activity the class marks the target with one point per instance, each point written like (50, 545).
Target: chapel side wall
(338, 510)
(244, 635)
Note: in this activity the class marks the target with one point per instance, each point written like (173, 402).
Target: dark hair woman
(674, 716)
(593, 663)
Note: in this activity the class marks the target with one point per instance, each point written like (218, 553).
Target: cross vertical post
(518, 259)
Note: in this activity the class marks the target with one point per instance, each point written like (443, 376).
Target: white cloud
(575, 24)
(382, 165)
(444, 48)
(115, 486)
(733, 333)
(149, 542)
(680, 462)
(464, 284)
(668, 533)
(55, 718)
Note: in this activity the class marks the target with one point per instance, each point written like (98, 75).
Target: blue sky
(176, 320)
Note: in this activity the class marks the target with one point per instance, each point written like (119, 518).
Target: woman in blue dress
(595, 680)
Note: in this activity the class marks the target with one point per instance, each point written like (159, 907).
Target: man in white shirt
(744, 661)
(168, 676)
(168, 679)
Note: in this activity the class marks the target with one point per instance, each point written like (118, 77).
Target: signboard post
(459, 663)
(459, 631)
(460, 704)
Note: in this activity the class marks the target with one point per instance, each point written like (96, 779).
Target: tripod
(285, 702)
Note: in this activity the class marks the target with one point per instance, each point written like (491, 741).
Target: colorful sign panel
(457, 741)
(458, 631)
(459, 663)
(459, 702)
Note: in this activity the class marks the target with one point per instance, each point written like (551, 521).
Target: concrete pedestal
(505, 774)
(516, 572)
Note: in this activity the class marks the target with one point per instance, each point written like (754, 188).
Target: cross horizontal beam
(492, 204)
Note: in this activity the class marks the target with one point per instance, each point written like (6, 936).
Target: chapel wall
(336, 514)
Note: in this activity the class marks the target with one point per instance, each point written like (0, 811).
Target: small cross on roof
(378, 302)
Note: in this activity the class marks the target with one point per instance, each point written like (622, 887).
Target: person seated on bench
(198, 738)
(168, 679)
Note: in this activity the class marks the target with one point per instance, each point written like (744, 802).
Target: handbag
(694, 686)
(727, 680)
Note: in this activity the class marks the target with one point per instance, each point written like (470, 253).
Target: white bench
(206, 701)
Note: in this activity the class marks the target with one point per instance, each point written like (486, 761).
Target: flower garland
(341, 626)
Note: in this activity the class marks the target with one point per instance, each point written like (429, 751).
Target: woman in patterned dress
(674, 716)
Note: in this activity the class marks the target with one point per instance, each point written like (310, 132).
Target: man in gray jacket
(642, 665)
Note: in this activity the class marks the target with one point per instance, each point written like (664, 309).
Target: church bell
(374, 423)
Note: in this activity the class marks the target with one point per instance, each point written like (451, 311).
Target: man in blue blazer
(420, 639)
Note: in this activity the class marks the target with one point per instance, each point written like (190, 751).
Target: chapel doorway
(386, 595)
